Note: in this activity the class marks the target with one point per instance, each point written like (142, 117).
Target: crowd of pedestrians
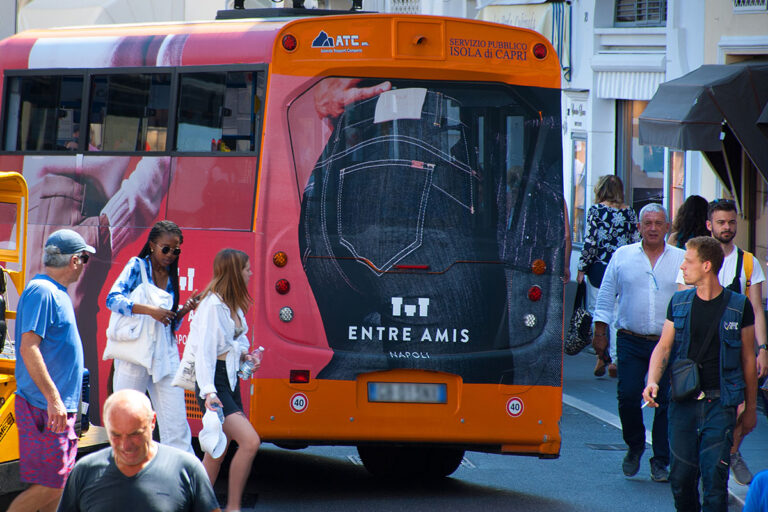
(134, 472)
(696, 304)
(693, 300)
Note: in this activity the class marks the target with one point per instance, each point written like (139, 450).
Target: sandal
(599, 368)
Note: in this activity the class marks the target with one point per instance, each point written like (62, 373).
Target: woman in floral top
(610, 224)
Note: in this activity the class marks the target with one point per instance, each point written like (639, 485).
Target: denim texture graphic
(417, 192)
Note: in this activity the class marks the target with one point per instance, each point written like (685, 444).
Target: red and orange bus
(395, 179)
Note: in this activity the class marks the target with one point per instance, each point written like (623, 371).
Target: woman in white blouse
(218, 335)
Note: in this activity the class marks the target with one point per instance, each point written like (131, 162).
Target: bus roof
(324, 44)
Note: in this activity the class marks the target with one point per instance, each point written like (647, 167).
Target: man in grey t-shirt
(136, 473)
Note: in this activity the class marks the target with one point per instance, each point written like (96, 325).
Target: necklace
(158, 275)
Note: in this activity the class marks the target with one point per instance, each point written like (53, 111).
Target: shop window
(218, 111)
(641, 13)
(579, 189)
(129, 112)
(640, 167)
(43, 113)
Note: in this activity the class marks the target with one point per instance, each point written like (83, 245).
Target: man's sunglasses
(165, 250)
(84, 257)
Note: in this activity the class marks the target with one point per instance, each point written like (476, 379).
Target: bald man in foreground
(135, 472)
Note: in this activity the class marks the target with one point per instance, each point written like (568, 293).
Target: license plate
(407, 392)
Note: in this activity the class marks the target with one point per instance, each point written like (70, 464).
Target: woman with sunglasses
(160, 258)
(218, 337)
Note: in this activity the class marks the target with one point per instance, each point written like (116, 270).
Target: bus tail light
(290, 43)
(538, 267)
(539, 51)
(529, 320)
(286, 314)
(534, 293)
(280, 259)
(299, 376)
(282, 286)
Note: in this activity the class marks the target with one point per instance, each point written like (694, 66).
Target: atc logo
(410, 309)
(345, 43)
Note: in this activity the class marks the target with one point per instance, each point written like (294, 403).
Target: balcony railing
(747, 6)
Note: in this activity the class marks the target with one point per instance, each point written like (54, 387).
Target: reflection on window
(218, 111)
(8, 226)
(579, 197)
(676, 192)
(642, 166)
(43, 113)
(129, 112)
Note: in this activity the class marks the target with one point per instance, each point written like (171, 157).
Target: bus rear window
(217, 111)
(43, 113)
(129, 112)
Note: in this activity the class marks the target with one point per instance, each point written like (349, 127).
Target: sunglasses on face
(166, 249)
(84, 257)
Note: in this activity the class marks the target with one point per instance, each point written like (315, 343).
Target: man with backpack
(740, 273)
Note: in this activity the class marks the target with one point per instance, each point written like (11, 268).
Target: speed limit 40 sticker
(299, 402)
(514, 407)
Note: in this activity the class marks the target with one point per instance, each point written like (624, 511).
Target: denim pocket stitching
(416, 243)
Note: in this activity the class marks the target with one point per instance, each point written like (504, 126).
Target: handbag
(185, 374)
(685, 382)
(580, 329)
(595, 273)
(132, 338)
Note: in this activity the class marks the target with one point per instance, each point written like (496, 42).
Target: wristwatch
(764, 346)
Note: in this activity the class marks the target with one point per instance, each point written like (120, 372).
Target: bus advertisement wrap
(397, 186)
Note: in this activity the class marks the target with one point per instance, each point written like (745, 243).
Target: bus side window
(218, 111)
(129, 112)
(43, 113)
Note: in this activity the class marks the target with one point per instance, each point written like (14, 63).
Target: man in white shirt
(641, 279)
(722, 223)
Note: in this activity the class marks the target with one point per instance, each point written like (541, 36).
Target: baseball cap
(212, 438)
(68, 242)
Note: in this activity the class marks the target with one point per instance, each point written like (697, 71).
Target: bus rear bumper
(520, 420)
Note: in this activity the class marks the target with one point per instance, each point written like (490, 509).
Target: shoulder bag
(132, 338)
(580, 330)
(185, 374)
(685, 379)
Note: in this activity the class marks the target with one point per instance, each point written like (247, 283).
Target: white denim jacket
(211, 334)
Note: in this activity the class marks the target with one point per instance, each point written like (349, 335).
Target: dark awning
(762, 121)
(689, 113)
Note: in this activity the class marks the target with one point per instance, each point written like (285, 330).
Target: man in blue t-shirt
(49, 373)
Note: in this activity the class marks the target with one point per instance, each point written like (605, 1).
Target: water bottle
(247, 367)
(220, 412)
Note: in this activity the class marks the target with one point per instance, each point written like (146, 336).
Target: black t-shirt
(702, 315)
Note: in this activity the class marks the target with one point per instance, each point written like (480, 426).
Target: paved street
(586, 477)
